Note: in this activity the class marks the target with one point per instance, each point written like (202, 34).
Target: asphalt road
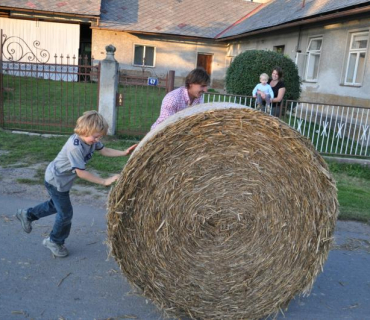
(89, 285)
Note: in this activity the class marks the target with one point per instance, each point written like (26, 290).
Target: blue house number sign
(152, 81)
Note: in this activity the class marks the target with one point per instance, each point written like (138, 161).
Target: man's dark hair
(197, 76)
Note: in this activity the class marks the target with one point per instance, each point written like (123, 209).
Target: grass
(39, 105)
(140, 109)
(353, 181)
(24, 151)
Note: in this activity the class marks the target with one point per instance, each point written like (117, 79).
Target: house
(47, 31)
(153, 37)
(328, 39)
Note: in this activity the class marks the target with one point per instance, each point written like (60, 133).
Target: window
(279, 49)
(356, 58)
(144, 56)
(313, 59)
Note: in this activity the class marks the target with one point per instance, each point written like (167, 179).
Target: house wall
(171, 54)
(39, 41)
(329, 87)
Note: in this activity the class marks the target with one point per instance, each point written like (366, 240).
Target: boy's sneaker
(22, 217)
(58, 250)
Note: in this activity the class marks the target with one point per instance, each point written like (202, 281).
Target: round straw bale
(222, 212)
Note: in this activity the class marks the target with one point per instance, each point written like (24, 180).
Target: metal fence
(332, 129)
(46, 97)
(138, 102)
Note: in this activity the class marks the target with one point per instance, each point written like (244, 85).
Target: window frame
(311, 53)
(144, 51)
(350, 51)
(279, 49)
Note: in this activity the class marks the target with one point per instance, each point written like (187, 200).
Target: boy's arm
(88, 176)
(108, 152)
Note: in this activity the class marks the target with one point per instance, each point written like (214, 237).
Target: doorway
(205, 61)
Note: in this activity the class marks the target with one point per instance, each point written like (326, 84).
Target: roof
(79, 7)
(206, 18)
(277, 12)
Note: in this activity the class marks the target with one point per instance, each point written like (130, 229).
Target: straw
(222, 212)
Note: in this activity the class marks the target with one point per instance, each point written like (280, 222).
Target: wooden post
(170, 81)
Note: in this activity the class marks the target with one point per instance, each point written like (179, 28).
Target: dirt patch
(9, 184)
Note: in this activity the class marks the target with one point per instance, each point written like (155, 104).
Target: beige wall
(329, 88)
(171, 54)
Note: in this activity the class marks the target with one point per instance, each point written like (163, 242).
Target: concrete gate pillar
(109, 77)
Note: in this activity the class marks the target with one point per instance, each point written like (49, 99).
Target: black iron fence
(139, 100)
(45, 97)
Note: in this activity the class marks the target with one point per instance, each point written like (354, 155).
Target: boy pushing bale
(222, 212)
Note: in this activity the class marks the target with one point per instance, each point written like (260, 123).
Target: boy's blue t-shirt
(74, 155)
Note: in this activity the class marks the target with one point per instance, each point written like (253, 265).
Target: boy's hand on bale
(130, 149)
(110, 180)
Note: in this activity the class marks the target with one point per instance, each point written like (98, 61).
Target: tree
(244, 72)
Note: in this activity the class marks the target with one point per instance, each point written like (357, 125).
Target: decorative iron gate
(44, 96)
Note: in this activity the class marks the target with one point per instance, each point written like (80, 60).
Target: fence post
(1, 81)
(170, 81)
(108, 87)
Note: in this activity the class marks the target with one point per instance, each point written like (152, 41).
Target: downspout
(297, 49)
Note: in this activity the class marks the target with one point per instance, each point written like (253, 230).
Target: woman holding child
(278, 88)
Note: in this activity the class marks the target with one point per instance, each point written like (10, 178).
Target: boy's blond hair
(91, 122)
(264, 75)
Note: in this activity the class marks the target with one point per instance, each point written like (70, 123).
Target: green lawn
(140, 109)
(353, 181)
(39, 105)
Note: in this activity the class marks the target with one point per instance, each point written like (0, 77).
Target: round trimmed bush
(244, 72)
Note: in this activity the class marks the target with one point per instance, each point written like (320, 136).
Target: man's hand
(130, 150)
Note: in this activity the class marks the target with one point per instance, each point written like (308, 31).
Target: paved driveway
(88, 285)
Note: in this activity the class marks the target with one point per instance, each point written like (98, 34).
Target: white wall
(329, 87)
(171, 54)
(28, 39)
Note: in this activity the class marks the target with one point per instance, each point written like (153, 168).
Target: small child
(60, 174)
(263, 91)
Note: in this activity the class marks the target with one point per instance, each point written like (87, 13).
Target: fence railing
(47, 97)
(333, 129)
(139, 101)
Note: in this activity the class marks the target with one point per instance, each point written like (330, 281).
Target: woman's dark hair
(279, 72)
(197, 76)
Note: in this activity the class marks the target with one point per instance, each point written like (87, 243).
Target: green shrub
(244, 72)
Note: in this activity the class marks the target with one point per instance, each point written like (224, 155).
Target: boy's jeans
(60, 203)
